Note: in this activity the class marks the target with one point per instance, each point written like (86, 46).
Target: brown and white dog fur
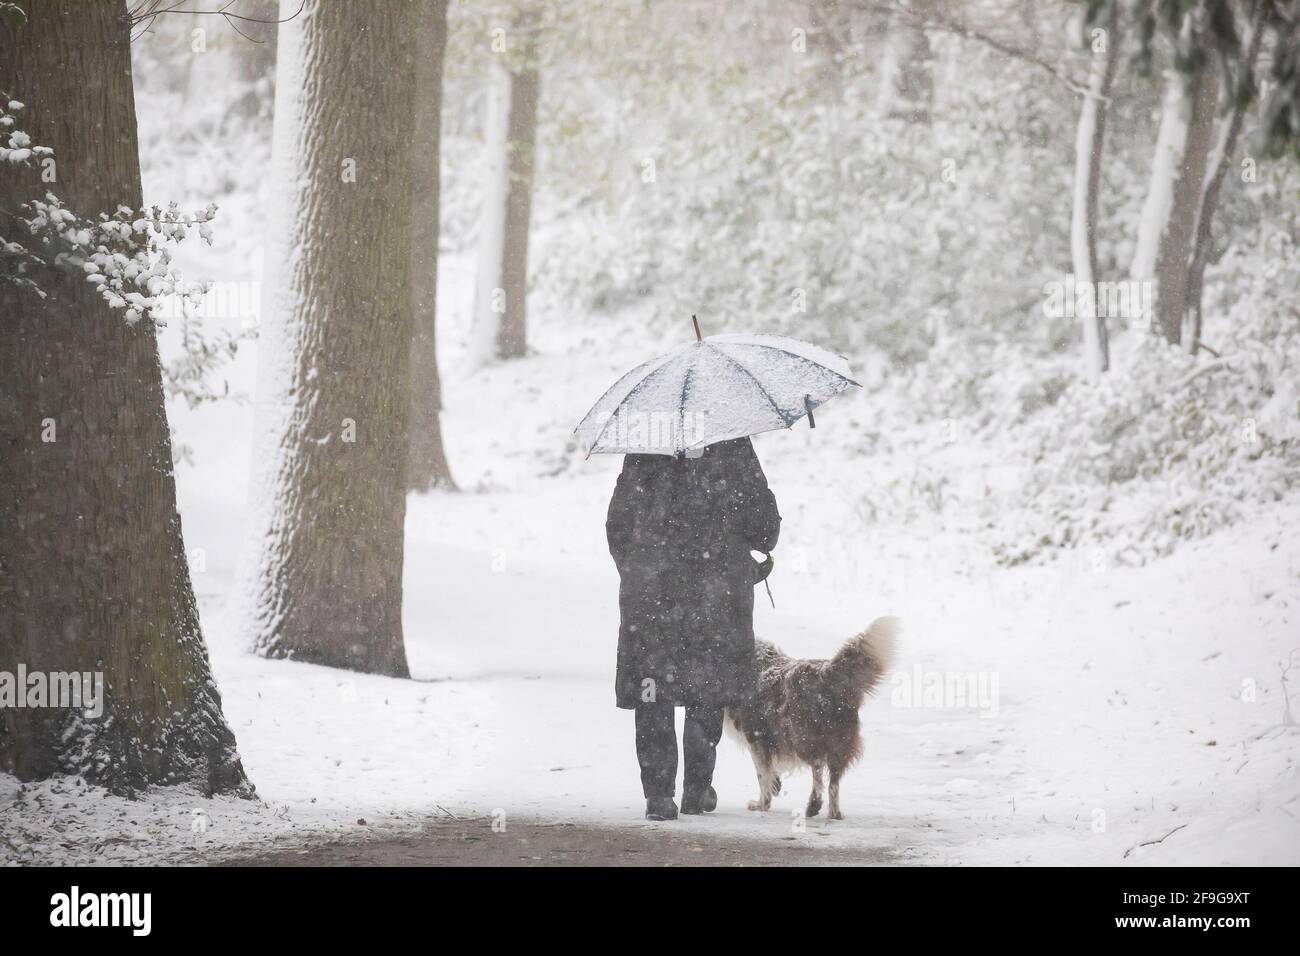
(806, 712)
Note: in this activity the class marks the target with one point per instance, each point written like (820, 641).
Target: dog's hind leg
(833, 811)
(815, 798)
(769, 784)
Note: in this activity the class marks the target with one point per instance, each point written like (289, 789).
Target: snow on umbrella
(712, 390)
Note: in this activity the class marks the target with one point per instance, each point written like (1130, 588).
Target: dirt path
(474, 843)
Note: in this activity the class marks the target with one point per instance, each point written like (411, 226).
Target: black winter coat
(681, 531)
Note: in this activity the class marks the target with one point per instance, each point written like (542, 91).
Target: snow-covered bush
(1166, 447)
(1001, 432)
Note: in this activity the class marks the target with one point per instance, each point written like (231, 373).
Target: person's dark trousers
(656, 748)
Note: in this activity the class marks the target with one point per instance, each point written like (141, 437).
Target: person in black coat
(681, 531)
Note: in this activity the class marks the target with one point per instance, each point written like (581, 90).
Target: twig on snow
(1154, 842)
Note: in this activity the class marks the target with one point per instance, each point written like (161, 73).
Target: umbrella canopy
(712, 390)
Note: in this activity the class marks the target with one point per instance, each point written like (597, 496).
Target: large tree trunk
(93, 575)
(1218, 169)
(1170, 140)
(334, 396)
(1089, 149)
(1168, 224)
(1180, 232)
(427, 467)
(500, 303)
(907, 82)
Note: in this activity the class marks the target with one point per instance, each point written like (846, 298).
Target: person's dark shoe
(660, 808)
(706, 801)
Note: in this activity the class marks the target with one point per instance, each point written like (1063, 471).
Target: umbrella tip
(698, 337)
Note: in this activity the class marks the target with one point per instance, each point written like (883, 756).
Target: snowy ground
(1124, 715)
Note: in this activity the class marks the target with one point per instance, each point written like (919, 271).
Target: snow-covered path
(1114, 708)
(1111, 717)
(1113, 721)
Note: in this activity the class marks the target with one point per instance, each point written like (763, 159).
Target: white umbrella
(711, 390)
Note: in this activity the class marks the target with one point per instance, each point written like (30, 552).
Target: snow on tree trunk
(1217, 166)
(427, 467)
(94, 575)
(1170, 140)
(907, 84)
(325, 584)
(1176, 242)
(500, 299)
(489, 294)
(1088, 151)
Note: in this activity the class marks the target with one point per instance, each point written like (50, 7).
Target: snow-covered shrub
(1166, 447)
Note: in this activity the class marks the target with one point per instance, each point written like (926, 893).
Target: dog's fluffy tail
(866, 658)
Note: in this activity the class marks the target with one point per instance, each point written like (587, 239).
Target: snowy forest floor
(1128, 715)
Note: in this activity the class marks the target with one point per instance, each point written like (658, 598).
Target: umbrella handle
(808, 406)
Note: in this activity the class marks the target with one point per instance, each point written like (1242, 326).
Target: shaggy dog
(806, 712)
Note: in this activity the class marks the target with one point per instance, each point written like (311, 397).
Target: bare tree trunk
(256, 48)
(334, 398)
(1218, 166)
(427, 467)
(93, 574)
(1176, 238)
(830, 37)
(831, 34)
(907, 82)
(1089, 149)
(500, 308)
(1170, 140)
(524, 91)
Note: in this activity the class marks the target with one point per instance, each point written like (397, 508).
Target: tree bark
(830, 36)
(500, 307)
(1218, 166)
(1089, 149)
(427, 468)
(256, 47)
(830, 29)
(93, 573)
(1171, 139)
(325, 584)
(907, 83)
(1175, 248)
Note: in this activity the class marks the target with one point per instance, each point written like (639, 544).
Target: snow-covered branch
(121, 254)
